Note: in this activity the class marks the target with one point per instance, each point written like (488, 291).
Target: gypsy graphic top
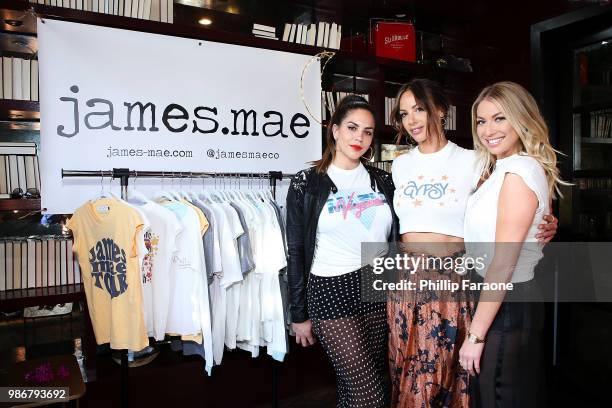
(352, 215)
(431, 190)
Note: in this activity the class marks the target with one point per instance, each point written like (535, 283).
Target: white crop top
(481, 214)
(431, 190)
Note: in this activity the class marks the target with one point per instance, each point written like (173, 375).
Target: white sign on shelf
(113, 98)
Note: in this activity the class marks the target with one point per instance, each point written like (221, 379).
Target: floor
(304, 380)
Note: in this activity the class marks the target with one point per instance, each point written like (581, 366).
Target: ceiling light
(205, 21)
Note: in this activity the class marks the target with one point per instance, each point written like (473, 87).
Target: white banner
(114, 98)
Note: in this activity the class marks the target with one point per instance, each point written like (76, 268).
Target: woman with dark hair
(433, 182)
(332, 208)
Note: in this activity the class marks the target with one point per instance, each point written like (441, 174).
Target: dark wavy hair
(431, 96)
(345, 106)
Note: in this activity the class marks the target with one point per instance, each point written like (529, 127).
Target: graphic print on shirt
(361, 206)
(151, 241)
(108, 266)
(432, 191)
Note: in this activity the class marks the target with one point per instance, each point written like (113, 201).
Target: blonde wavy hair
(521, 110)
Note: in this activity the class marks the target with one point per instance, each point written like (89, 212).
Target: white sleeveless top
(481, 214)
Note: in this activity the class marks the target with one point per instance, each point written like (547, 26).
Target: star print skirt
(427, 329)
(353, 335)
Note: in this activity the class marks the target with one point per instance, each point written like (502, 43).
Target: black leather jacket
(307, 195)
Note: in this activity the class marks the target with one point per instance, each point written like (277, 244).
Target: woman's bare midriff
(431, 243)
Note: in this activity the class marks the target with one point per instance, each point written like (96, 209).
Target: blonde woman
(433, 182)
(518, 178)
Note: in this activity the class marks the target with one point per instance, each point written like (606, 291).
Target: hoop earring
(371, 155)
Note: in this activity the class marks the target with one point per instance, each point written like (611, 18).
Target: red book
(395, 40)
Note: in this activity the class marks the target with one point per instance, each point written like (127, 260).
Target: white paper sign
(114, 98)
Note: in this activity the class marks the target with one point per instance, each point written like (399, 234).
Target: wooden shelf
(185, 25)
(11, 109)
(592, 173)
(590, 107)
(10, 204)
(19, 298)
(595, 140)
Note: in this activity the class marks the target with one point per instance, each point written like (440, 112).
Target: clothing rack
(124, 174)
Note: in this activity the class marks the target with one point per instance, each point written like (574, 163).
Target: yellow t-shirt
(105, 242)
(203, 221)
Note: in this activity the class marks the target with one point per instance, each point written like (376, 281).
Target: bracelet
(474, 339)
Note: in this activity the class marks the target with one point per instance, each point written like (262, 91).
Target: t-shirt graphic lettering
(151, 241)
(362, 206)
(436, 190)
(108, 266)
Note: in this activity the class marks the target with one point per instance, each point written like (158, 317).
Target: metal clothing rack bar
(124, 174)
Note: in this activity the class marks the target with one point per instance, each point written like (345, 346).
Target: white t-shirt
(186, 281)
(160, 240)
(352, 215)
(432, 189)
(481, 214)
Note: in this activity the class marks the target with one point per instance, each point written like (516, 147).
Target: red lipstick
(356, 147)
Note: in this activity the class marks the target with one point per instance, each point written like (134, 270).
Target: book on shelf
(333, 36)
(292, 33)
(601, 124)
(388, 152)
(17, 85)
(155, 14)
(18, 167)
(325, 35)
(312, 35)
(389, 104)
(7, 76)
(26, 79)
(451, 123)
(34, 80)
(298, 33)
(331, 98)
(286, 32)
(19, 79)
(383, 165)
(265, 28)
(320, 32)
(154, 10)
(263, 33)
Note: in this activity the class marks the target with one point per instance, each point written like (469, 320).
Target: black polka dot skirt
(353, 334)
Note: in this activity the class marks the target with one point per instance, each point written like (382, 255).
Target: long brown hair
(431, 96)
(345, 106)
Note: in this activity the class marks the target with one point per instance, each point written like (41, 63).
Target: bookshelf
(352, 69)
(592, 138)
(22, 204)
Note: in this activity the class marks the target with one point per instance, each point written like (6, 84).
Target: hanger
(204, 194)
(135, 196)
(102, 193)
(172, 192)
(163, 193)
